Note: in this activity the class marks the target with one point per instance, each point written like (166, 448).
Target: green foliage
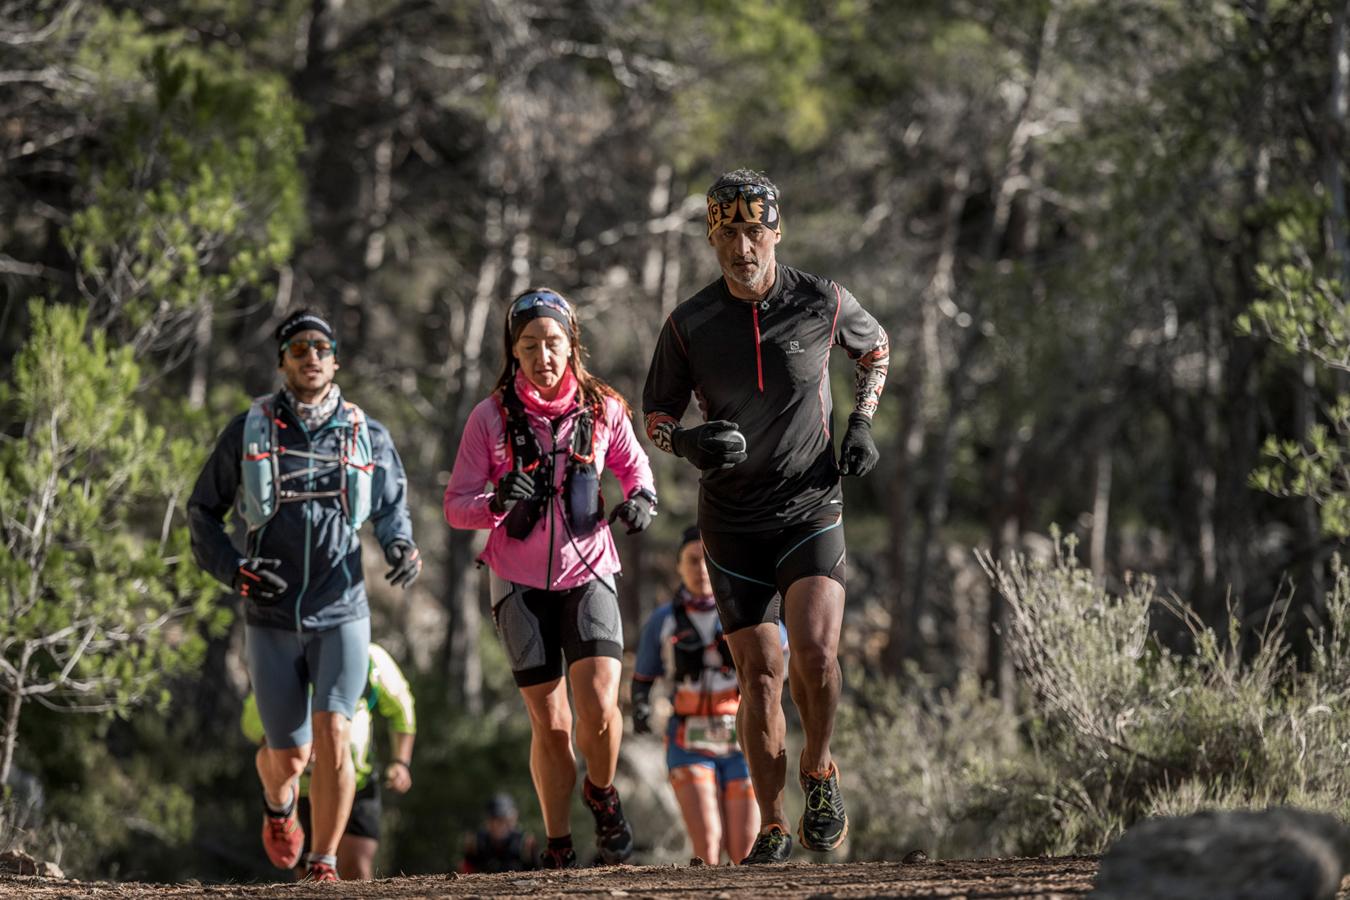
(1116, 727)
(100, 600)
(1303, 313)
(199, 196)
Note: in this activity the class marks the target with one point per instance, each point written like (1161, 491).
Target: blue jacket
(320, 553)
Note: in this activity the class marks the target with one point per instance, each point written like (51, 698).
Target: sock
(328, 859)
(560, 843)
(283, 812)
(599, 794)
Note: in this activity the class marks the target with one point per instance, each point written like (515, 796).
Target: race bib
(714, 735)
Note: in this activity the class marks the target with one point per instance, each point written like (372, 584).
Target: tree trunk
(922, 375)
(13, 706)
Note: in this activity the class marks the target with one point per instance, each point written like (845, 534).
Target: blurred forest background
(1108, 241)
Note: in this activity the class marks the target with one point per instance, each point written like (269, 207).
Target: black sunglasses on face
(299, 348)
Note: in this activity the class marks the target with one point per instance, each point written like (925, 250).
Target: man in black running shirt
(753, 348)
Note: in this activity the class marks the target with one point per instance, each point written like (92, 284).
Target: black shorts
(539, 628)
(364, 820)
(752, 571)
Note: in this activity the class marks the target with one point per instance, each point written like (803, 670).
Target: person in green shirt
(388, 694)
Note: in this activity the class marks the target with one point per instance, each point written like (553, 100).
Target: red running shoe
(283, 838)
(321, 872)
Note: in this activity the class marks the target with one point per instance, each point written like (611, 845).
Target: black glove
(406, 561)
(514, 487)
(713, 445)
(858, 454)
(256, 580)
(636, 511)
(642, 707)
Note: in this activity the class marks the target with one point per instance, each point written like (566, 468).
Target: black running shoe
(613, 836)
(773, 846)
(565, 858)
(824, 824)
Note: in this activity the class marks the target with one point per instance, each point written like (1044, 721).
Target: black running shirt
(764, 366)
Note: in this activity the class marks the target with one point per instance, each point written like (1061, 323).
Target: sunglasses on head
(299, 348)
(727, 193)
(535, 299)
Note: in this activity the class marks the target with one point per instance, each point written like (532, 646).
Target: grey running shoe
(773, 846)
(824, 824)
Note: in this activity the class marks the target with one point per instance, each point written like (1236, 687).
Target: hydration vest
(264, 487)
(582, 500)
(689, 647)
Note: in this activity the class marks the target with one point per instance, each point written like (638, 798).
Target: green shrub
(1115, 727)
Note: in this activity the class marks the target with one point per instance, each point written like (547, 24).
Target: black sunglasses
(299, 348)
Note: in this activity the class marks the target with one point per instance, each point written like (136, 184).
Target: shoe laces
(279, 827)
(768, 845)
(321, 872)
(822, 794)
(608, 812)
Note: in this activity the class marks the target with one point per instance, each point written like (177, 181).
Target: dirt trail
(1058, 878)
(986, 879)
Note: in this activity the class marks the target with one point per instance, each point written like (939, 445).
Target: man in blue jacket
(303, 469)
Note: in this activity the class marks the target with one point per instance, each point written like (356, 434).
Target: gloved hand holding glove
(858, 453)
(636, 512)
(515, 486)
(256, 580)
(718, 444)
(405, 560)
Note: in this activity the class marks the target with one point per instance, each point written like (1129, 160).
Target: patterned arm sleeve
(866, 342)
(669, 384)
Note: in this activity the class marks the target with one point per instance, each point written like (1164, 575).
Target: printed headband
(538, 304)
(755, 204)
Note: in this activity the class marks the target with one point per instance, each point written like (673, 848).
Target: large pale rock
(1277, 854)
(16, 862)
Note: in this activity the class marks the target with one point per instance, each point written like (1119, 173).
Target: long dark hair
(593, 390)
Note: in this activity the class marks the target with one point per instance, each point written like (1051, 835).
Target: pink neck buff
(698, 603)
(561, 403)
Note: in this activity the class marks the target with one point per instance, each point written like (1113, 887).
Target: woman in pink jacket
(528, 469)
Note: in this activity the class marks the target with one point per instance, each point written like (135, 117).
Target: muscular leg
(813, 612)
(740, 818)
(356, 857)
(552, 763)
(696, 790)
(595, 693)
(333, 784)
(279, 771)
(758, 653)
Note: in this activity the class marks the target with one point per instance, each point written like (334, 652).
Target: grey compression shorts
(285, 665)
(539, 628)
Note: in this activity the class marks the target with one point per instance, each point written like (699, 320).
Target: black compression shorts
(751, 572)
(539, 628)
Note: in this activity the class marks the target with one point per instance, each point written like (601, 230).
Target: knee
(552, 727)
(814, 666)
(595, 714)
(761, 686)
(331, 734)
